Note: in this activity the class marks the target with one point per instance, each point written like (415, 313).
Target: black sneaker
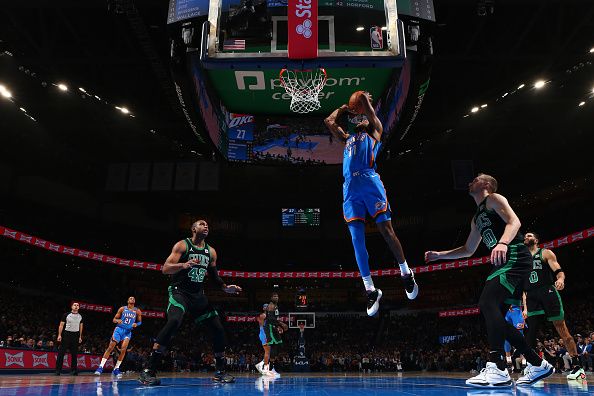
(373, 299)
(221, 376)
(148, 377)
(410, 286)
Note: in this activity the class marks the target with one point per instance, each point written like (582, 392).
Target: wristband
(502, 243)
(559, 270)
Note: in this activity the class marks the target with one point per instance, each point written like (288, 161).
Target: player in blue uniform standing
(127, 318)
(262, 336)
(515, 317)
(363, 190)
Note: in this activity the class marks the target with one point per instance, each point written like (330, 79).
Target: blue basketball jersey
(514, 316)
(128, 318)
(360, 152)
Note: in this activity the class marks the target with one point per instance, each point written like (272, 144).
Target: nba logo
(377, 41)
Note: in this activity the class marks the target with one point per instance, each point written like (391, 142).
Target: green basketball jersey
(541, 274)
(191, 280)
(491, 226)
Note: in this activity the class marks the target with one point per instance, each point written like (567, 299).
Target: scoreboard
(300, 217)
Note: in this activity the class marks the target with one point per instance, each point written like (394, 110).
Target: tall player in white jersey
(364, 192)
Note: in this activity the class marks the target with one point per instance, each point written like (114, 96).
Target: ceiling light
(521, 86)
(592, 50)
(22, 109)
(474, 109)
(82, 90)
(6, 93)
(123, 109)
(539, 84)
(504, 95)
(582, 103)
(97, 97)
(62, 87)
(360, 28)
(483, 106)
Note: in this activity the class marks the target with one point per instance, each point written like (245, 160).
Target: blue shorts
(119, 334)
(262, 336)
(364, 193)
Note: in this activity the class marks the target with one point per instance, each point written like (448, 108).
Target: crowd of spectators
(339, 342)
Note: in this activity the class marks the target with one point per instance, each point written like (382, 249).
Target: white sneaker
(491, 377)
(533, 374)
(259, 366)
(273, 373)
(373, 300)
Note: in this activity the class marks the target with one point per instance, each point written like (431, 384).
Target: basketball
(355, 102)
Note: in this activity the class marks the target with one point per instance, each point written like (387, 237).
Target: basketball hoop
(304, 86)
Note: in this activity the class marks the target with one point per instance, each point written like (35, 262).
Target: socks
(575, 362)
(368, 283)
(497, 358)
(404, 270)
(155, 360)
(103, 362)
(118, 364)
(220, 363)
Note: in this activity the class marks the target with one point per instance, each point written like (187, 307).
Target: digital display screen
(301, 301)
(296, 217)
(237, 151)
(180, 10)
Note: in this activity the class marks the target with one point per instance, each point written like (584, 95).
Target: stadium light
(62, 87)
(582, 103)
(360, 28)
(82, 90)
(5, 92)
(483, 106)
(22, 109)
(521, 86)
(505, 94)
(592, 50)
(474, 109)
(539, 84)
(123, 109)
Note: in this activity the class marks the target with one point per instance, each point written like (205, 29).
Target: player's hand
(232, 289)
(80, 340)
(189, 263)
(499, 254)
(431, 256)
(559, 284)
(59, 339)
(134, 325)
(119, 321)
(525, 313)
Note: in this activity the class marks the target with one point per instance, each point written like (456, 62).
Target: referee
(70, 335)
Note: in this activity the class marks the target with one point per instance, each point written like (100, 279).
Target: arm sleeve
(213, 273)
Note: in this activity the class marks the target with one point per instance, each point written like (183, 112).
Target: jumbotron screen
(296, 217)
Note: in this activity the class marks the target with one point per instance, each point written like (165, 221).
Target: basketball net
(301, 328)
(304, 86)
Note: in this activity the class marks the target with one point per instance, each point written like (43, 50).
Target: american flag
(230, 45)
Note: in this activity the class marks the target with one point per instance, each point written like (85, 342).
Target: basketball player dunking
(127, 318)
(364, 192)
(496, 224)
(189, 262)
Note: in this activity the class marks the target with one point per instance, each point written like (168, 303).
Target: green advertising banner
(260, 91)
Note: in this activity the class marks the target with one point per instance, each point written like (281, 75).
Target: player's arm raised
(466, 250)
(499, 204)
(376, 129)
(335, 129)
(172, 264)
(117, 318)
(555, 267)
(213, 273)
